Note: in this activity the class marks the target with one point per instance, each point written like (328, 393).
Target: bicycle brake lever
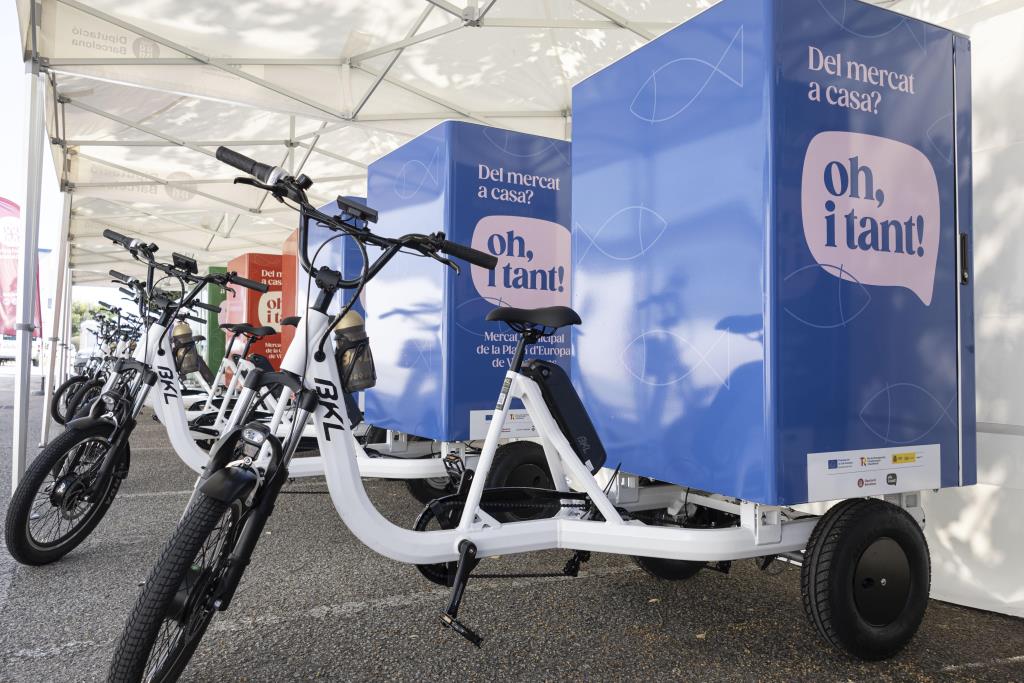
(254, 183)
(446, 261)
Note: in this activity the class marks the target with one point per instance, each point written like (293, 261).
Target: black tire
(61, 396)
(426, 490)
(172, 612)
(78, 405)
(865, 578)
(38, 509)
(669, 570)
(522, 463)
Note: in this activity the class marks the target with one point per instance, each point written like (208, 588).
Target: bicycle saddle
(257, 332)
(548, 316)
(291, 321)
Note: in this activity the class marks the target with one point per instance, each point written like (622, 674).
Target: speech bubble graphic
(871, 206)
(269, 309)
(534, 258)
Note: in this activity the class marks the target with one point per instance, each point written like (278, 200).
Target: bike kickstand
(467, 560)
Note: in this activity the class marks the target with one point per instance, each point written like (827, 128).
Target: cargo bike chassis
(865, 568)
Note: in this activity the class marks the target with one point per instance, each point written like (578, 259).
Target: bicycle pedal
(460, 628)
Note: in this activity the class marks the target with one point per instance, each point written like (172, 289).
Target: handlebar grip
(195, 319)
(125, 290)
(250, 284)
(262, 172)
(469, 255)
(117, 237)
(206, 307)
(117, 275)
(104, 304)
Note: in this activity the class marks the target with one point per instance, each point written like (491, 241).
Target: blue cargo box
(439, 363)
(769, 203)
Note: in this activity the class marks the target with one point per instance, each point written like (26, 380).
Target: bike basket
(355, 361)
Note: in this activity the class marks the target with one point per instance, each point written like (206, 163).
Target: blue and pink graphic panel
(767, 266)
(440, 365)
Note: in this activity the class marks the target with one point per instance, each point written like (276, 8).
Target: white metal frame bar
(28, 263)
(63, 258)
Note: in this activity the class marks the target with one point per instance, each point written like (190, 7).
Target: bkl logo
(533, 261)
(870, 209)
(168, 384)
(328, 395)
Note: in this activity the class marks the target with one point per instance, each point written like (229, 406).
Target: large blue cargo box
(769, 203)
(439, 363)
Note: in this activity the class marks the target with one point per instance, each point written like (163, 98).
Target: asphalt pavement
(317, 604)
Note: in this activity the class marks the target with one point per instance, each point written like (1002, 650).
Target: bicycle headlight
(252, 438)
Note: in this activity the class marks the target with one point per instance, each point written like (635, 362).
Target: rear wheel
(865, 578)
(176, 604)
(522, 464)
(56, 506)
(426, 490)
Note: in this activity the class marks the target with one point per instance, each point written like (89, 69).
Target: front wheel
(865, 578)
(177, 601)
(58, 504)
(79, 403)
(62, 395)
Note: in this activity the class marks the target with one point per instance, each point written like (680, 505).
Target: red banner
(11, 239)
(254, 308)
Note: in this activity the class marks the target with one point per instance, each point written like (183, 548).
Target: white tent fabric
(142, 91)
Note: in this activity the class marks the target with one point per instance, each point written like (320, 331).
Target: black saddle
(248, 330)
(291, 321)
(549, 316)
(257, 332)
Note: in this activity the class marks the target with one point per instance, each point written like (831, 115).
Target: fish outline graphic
(414, 168)
(841, 275)
(897, 21)
(702, 356)
(493, 301)
(887, 391)
(649, 88)
(945, 151)
(504, 147)
(659, 226)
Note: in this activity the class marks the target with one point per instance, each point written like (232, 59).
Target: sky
(13, 129)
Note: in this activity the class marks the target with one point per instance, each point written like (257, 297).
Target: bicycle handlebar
(237, 279)
(206, 307)
(469, 254)
(265, 173)
(123, 240)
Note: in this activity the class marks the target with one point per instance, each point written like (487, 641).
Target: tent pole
(65, 347)
(58, 318)
(28, 270)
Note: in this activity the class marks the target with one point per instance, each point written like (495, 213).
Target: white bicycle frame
(764, 530)
(169, 407)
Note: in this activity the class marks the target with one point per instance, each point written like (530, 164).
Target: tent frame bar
(28, 260)
(57, 325)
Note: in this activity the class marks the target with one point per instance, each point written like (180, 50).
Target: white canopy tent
(137, 94)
